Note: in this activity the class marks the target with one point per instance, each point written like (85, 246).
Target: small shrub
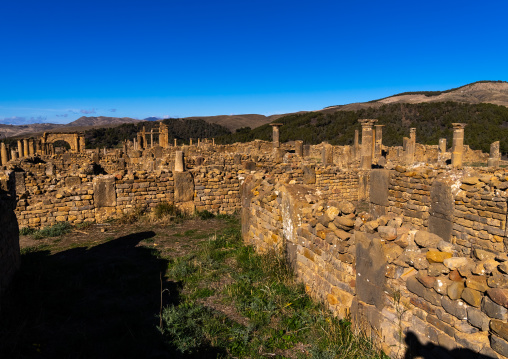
(164, 209)
(26, 231)
(204, 215)
(55, 230)
(132, 216)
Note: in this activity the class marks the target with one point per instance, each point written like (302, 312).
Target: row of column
(372, 145)
(139, 144)
(25, 148)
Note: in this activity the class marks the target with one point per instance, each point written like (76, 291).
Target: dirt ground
(96, 291)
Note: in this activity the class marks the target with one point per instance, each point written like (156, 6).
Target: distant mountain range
(493, 92)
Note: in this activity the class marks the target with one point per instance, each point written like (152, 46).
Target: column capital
(276, 124)
(366, 122)
(458, 126)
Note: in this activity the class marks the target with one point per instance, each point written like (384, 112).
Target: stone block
(472, 297)
(184, 187)
(378, 183)
(370, 269)
(499, 345)
(494, 310)
(104, 191)
(478, 319)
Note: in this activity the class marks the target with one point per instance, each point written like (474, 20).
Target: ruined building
(409, 242)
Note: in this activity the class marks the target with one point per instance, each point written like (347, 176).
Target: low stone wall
(47, 199)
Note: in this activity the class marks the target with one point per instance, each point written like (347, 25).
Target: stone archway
(75, 140)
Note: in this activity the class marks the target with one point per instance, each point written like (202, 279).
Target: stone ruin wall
(379, 262)
(386, 268)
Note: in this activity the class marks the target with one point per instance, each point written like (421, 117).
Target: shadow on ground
(430, 351)
(101, 302)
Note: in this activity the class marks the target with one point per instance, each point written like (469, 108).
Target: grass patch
(55, 230)
(264, 310)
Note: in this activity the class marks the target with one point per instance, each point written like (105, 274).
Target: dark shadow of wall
(9, 235)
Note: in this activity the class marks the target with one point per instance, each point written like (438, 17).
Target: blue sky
(60, 60)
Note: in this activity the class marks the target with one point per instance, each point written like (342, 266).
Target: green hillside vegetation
(181, 129)
(486, 123)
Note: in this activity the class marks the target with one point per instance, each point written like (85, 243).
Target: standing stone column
(14, 154)
(3, 154)
(179, 161)
(31, 148)
(493, 160)
(366, 157)
(151, 138)
(306, 150)
(299, 148)
(442, 146)
(275, 134)
(458, 144)
(356, 148)
(37, 147)
(25, 148)
(213, 141)
(378, 140)
(327, 154)
(412, 134)
(190, 141)
(20, 148)
(175, 142)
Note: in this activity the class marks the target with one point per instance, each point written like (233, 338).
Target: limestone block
(104, 191)
(184, 187)
(370, 269)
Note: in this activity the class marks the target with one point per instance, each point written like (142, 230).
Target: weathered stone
(445, 246)
(503, 267)
(441, 285)
(478, 283)
(478, 319)
(426, 280)
(104, 193)
(347, 207)
(414, 286)
(379, 180)
(456, 308)
(500, 328)
(184, 186)
(387, 233)
(371, 226)
(498, 280)
(392, 252)
(332, 212)
(456, 262)
(342, 221)
(494, 310)
(370, 270)
(472, 297)
(455, 276)
(499, 296)
(436, 269)
(434, 256)
(426, 239)
(483, 255)
(499, 345)
(455, 290)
